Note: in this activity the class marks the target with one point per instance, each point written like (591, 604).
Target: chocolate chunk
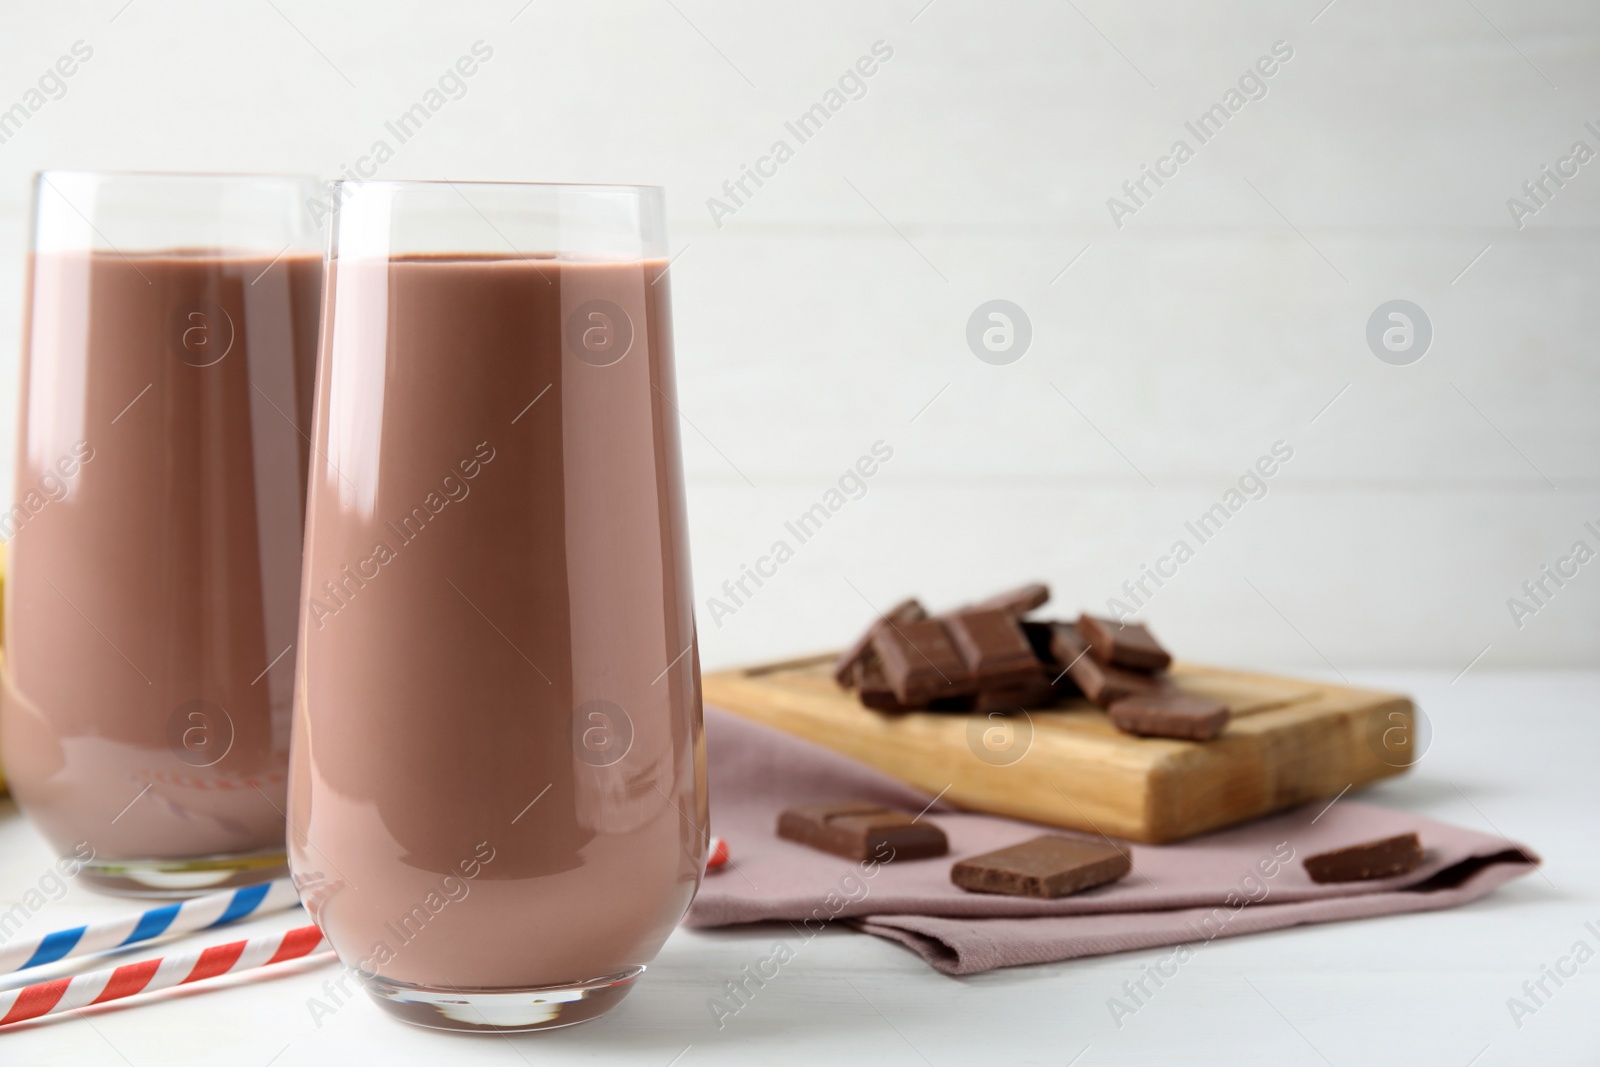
(1102, 684)
(875, 693)
(1169, 713)
(1038, 635)
(1359, 863)
(1038, 693)
(1046, 867)
(921, 663)
(994, 648)
(1123, 644)
(906, 611)
(1018, 601)
(862, 830)
(873, 688)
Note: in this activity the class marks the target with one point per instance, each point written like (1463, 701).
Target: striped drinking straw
(198, 913)
(163, 972)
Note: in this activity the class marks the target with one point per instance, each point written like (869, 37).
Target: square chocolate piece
(1123, 644)
(1169, 713)
(994, 647)
(874, 692)
(872, 687)
(903, 612)
(1029, 696)
(1039, 635)
(1017, 601)
(1387, 858)
(862, 830)
(1045, 867)
(1102, 684)
(921, 663)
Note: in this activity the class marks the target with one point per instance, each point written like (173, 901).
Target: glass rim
(65, 172)
(490, 183)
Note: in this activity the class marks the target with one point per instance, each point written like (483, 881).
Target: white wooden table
(1515, 753)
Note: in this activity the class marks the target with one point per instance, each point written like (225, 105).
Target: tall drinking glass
(169, 349)
(497, 793)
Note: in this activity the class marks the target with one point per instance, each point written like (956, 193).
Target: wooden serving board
(1288, 742)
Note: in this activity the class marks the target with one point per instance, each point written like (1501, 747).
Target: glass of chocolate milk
(497, 799)
(169, 346)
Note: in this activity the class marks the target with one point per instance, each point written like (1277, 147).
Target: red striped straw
(163, 972)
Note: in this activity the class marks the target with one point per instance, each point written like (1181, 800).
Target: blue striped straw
(197, 913)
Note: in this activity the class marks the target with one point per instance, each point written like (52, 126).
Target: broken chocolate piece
(1039, 635)
(1018, 601)
(1028, 696)
(1169, 713)
(904, 612)
(874, 691)
(1123, 644)
(994, 647)
(921, 663)
(862, 830)
(1391, 856)
(873, 688)
(1045, 867)
(1101, 683)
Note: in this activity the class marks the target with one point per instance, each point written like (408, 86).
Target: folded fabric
(1245, 879)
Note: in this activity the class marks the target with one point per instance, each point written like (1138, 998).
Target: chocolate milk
(497, 779)
(155, 549)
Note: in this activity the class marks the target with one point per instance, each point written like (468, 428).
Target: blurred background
(1161, 337)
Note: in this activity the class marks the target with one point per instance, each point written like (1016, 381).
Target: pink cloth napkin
(1242, 880)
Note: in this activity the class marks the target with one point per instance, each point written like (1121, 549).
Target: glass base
(173, 878)
(502, 1010)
